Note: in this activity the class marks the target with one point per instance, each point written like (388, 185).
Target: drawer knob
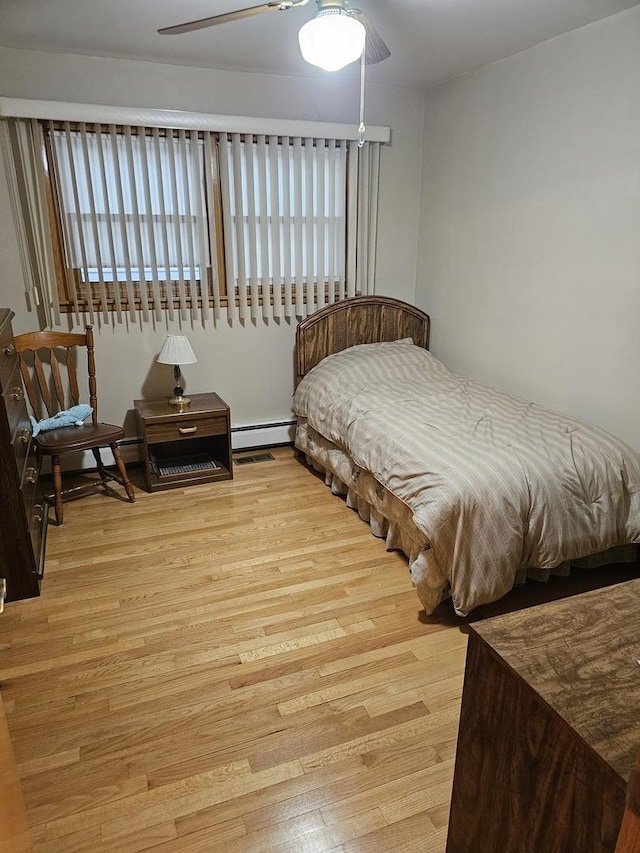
(187, 430)
(24, 435)
(38, 513)
(17, 393)
(9, 350)
(31, 475)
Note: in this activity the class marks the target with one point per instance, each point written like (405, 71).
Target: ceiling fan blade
(221, 19)
(375, 50)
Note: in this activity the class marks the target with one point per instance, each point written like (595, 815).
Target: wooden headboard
(360, 320)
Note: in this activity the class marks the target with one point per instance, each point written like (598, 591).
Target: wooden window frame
(85, 302)
(93, 302)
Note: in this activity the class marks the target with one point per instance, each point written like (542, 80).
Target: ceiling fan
(375, 50)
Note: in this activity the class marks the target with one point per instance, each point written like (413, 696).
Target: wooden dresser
(23, 510)
(15, 836)
(549, 726)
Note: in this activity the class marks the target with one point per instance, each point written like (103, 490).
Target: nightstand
(182, 447)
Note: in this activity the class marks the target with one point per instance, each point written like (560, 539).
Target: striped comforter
(495, 483)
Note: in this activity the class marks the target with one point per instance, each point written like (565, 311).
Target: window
(149, 219)
(135, 212)
(285, 217)
(108, 223)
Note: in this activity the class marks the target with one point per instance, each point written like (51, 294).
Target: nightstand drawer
(184, 428)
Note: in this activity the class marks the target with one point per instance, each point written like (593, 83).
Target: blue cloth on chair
(69, 417)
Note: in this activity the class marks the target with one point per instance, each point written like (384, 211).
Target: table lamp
(176, 350)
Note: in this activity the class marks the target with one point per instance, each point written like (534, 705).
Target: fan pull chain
(361, 127)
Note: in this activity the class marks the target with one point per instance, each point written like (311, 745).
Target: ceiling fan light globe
(332, 40)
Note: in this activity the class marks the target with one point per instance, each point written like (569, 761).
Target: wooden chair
(48, 367)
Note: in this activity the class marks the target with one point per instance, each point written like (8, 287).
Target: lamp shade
(332, 39)
(176, 349)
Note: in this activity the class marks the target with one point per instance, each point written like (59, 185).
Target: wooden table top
(201, 404)
(581, 655)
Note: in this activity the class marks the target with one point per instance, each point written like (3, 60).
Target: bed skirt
(391, 519)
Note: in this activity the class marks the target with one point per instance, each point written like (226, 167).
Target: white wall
(251, 367)
(529, 258)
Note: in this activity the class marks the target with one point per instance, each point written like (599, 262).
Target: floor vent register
(186, 465)
(257, 457)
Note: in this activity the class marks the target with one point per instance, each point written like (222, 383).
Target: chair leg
(104, 476)
(123, 473)
(57, 489)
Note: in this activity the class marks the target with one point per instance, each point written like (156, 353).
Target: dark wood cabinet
(23, 515)
(15, 836)
(182, 447)
(549, 726)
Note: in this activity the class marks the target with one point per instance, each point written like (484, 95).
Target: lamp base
(179, 402)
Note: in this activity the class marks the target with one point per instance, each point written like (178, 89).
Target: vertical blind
(287, 202)
(186, 220)
(27, 195)
(133, 206)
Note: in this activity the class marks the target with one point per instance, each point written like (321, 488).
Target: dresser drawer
(184, 428)
(36, 507)
(29, 482)
(14, 402)
(20, 444)
(8, 355)
(38, 533)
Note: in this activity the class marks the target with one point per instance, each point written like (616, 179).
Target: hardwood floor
(236, 666)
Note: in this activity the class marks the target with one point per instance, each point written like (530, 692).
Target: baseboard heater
(248, 437)
(253, 436)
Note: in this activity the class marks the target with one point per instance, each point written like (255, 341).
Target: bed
(479, 488)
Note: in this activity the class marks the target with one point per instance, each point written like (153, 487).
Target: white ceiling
(430, 40)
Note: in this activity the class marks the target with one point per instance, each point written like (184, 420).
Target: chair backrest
(49, 370)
